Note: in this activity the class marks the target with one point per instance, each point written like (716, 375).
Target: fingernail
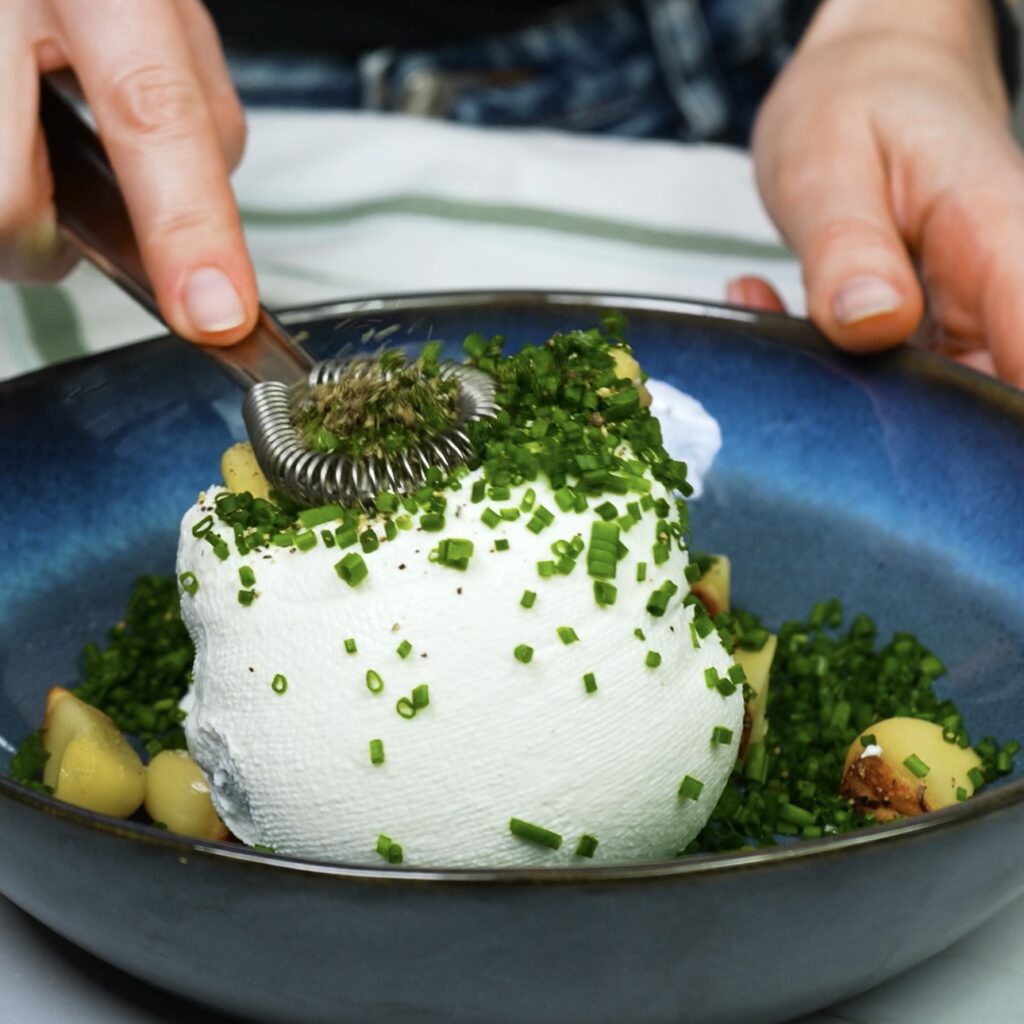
(735, 293)
(211, 302)
(862, 298)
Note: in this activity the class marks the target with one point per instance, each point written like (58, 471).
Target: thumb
(833, 207)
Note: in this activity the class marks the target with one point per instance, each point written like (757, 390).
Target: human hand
(884, 144)
(158, 86)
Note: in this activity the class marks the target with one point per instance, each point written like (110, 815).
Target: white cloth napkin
(342, 205)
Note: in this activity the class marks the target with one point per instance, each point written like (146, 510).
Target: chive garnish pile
(829, 685)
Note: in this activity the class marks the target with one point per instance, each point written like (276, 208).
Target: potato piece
(242, 472)
(91, 764)
(713, 587)
(879, 782)
(626, 366)
(178, 796)
(756, 666)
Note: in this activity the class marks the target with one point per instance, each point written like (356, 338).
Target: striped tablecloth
(340, 205)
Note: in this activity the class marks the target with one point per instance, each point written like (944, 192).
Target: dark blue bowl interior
(893, 483)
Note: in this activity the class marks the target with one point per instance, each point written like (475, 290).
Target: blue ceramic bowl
(895, 483)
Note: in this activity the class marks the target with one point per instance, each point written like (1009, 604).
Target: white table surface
(45, 980)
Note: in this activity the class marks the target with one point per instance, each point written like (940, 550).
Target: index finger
(135, 65)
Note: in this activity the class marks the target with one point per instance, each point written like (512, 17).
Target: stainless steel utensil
(273, 370)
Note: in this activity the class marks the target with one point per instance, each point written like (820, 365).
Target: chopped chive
(524, 653)
(977, 777)
(311, 517)
(350, 646)
(405, 707)
(565, 499)
(389, 850)
(374, 683)
(528, 499)
(369, 541)
(346, 536)
(641, 572)
(694, 638)
(403, 649)
(546, 568)
(328, 538)
(567, 634)
(590, 682)
(639, 634)
(607, 511)
(305, 539)
(420, 696)
(203, 527)
(390, 529)
(916, 766)
(376, 751)
(387, 502)
(479, 490)
(280, 684)
(605, 593)
(534, 833)
(711, 677)
(653, 659)
(510, 515)
(246, 597)
(352, 569)
(246, 576)
(586, 846)
(690, 788)
(721, 735)
(490, 518)
(501, 544)
(961, 793)
(528, 598)
(796, 815)
(455, 553)
(432, 521)
(189, 583)
(660, 552)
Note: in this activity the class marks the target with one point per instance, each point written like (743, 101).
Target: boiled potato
(628, 368)
(91, 764)
(757, 667)
(883, 784)
(713, 588)
(242, 472)
(178, 796)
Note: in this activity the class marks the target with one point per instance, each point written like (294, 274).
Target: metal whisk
(275, 373)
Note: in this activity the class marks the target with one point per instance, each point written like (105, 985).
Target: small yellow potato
(627, 367)
(714, 586)
(757, 666)
(91, 764)
(242, 472)
(178, 796)
(882, 784)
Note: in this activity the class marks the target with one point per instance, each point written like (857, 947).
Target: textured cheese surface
(499, 738)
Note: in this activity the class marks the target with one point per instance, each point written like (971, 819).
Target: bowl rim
(779, 328)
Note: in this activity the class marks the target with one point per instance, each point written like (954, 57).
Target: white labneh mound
(289, 762)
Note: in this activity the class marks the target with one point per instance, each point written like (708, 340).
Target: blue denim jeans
(678, 69)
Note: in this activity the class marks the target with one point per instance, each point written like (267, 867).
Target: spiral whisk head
(312, 477)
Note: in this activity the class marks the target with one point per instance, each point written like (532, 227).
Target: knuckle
(154, 99)
(177, 223)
